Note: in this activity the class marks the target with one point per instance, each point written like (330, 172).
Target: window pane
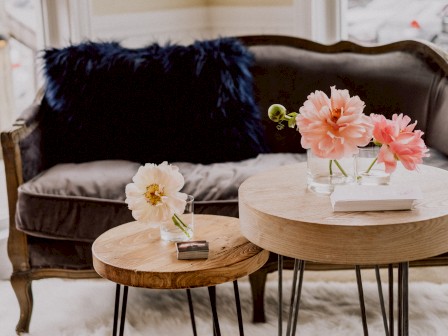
(385, 21)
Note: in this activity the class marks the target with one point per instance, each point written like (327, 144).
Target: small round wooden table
(133, 254)
(279, 214)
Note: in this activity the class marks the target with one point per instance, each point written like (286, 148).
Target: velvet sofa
(106, 109)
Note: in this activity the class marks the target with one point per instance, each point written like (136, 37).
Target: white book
(374, 198)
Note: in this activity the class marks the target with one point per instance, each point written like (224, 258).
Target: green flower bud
(292, 119)
(379, 144)
(276, 112)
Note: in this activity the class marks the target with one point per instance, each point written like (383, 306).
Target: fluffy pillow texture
(175, 103)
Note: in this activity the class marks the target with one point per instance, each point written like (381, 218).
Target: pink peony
(398, 141)
(333, 127)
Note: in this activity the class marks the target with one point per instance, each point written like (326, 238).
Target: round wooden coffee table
(133, 254)
(279, 214)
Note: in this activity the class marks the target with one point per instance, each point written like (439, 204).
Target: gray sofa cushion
(436, 159)
(80, 201)
(46, 252)
(75, 201)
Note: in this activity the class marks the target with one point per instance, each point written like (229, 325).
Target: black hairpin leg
(212, 295)
(296, 292)
(361, 300)
(298, 296)
(117, 306)
(123, 309)
(280, 294)
(391, 299)
(238, 307)
(293, 295)
(380, 293)
(403, 312)
(190, 306)
(400, 300)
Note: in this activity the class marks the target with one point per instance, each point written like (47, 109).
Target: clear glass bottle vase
(184, 231)
(324, 174)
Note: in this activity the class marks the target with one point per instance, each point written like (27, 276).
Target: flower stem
(340, 168)
(330, 167)
(371, 165)
(180, 224)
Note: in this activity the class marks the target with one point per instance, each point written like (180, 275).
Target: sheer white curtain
(323, 21)
(71, 21)
(6, 94)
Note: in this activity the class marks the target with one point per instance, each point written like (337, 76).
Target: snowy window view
(385, 21)
(18, 26)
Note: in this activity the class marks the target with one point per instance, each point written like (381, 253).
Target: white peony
(154, 196)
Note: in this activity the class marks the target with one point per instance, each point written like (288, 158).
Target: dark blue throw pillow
(176, 103)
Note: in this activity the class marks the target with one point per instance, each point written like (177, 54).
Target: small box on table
(197, 249)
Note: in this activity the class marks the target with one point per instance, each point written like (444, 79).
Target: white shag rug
(85, 307)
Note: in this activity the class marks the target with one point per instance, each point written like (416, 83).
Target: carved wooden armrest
(12, 158)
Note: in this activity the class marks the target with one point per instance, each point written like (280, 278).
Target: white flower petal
(170, 181)
(133, 190)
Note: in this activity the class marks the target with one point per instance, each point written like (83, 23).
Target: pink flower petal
(335, 127)
(387, 157)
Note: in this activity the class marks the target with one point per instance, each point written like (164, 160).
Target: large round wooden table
(133, 254)
(279, 214)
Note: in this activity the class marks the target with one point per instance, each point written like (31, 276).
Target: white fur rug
(85, 307)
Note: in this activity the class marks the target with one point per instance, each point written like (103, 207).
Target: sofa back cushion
(176, 103)
(407, 77)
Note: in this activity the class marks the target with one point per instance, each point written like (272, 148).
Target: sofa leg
(21, 283)
(258, 283)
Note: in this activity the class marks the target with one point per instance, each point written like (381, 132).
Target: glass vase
(368, 170)
(324, 174)
(169, 231)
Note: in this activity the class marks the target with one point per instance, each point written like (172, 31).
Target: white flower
(154, 196)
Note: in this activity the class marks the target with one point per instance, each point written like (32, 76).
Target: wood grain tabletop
(279, 214)
(133, 254)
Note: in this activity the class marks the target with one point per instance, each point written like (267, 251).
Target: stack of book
(374, 198)
(197, 249)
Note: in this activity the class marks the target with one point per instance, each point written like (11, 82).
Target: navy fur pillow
(176, 103)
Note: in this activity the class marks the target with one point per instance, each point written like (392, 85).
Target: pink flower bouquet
(331, 127)
(336, 127)
(399, 142)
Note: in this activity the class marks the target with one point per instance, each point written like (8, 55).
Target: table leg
(212, 295)
(293, 295)
(116, 308)
(299, 293)
(190, 306)
(361, 300)
(404, 299)
(380, 293)
(123, 309)
(280, 294)
(238, 307)
(296, 292)
(400, 300)
(391, 299)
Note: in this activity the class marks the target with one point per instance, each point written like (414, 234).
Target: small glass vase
(171, 232)
(368, 170)
(324, 174)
